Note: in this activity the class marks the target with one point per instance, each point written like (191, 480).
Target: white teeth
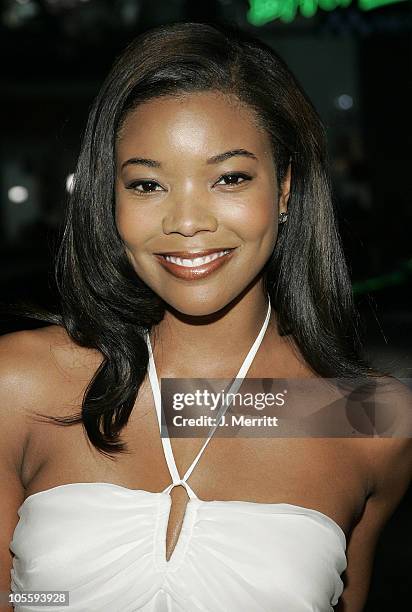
(194, 263)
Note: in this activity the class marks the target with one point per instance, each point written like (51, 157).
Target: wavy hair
(104, 305)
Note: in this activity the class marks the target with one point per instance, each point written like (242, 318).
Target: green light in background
(263, 11)
(380, 282)
(367, 5)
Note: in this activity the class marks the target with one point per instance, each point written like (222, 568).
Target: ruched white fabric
(106, 545)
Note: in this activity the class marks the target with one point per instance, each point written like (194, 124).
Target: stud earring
(283, 217)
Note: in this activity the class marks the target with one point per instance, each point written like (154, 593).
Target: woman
(199, 144)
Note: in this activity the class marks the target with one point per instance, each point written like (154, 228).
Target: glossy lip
(193, 254)
(194, 273)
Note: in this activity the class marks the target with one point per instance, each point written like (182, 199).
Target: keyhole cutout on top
(180, 499)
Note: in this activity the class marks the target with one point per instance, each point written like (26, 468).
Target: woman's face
(196, 173)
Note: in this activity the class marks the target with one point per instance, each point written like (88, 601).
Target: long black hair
(104, 305)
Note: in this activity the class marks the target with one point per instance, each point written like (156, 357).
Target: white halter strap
(167, 447)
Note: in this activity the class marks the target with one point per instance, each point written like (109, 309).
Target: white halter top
(106, 545)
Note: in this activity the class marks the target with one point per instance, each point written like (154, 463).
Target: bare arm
(391, 465)
(14, 363)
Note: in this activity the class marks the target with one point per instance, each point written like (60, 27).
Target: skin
(190, 206)
(208, 321)
(211, 325)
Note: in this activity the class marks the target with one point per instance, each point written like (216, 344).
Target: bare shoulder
(16, 367)
(389, 465)
(41, 371)
(36, 364)
(390, 452)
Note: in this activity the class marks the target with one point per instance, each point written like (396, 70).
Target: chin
(201, 307)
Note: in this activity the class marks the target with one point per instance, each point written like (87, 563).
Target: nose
(188, 215)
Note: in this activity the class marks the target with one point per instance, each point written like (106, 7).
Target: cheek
(132, 226)
(123, 223)
(258, 219)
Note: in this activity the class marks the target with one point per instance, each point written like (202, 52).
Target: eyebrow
(141, 161)
(216, 159)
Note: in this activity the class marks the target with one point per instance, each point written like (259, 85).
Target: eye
(234, 179)
(144, 186)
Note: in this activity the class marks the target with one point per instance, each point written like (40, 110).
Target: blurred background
(353, 58)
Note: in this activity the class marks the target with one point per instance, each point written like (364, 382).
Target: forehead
(195, 123)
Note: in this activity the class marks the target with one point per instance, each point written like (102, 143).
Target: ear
(285, 190)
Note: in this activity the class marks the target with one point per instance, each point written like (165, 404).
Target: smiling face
(196, 173)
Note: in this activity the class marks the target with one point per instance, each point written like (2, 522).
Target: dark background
(355, 64)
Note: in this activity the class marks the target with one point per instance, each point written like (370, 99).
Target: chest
(326, 474)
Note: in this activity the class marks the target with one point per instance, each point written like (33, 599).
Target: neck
(214, 345)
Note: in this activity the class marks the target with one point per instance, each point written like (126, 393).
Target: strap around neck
(244, 368)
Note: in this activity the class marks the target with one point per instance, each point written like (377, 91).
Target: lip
(193, 254)
(195, 273)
